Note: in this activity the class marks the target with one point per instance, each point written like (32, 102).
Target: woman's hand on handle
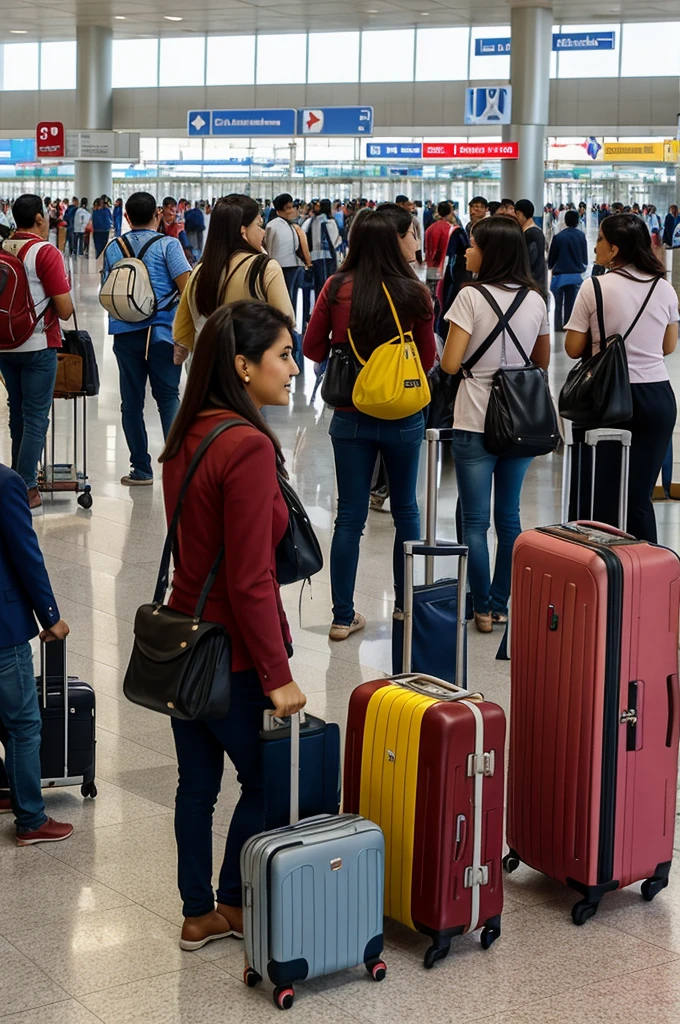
(287, 700)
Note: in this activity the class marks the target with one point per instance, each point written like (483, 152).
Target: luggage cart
(57, 477)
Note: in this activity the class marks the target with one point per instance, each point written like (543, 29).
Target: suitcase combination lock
(629, 717)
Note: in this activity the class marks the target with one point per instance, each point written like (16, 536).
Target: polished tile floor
(89, 928)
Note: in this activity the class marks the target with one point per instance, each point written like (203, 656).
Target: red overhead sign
(471, 150)
(49, 139)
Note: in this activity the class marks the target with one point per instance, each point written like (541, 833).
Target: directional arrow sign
(313, 121)
(198, 122)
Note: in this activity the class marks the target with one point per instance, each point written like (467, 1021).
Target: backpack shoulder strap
(256, 275)
(502, 325)
(147, 245)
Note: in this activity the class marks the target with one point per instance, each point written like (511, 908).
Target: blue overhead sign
(335, 121)
(241, 122)
(488, 105)
(584, 41)
(402, 150)
(492, 47)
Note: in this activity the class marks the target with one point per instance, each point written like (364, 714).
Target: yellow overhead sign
(634, 152)
(671, 151)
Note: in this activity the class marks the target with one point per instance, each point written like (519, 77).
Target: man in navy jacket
(568, 260)
(25, 593)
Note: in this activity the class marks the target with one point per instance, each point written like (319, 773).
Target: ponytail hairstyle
(239, 328)
(229, 215)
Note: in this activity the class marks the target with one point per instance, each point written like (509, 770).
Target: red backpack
(18, 317)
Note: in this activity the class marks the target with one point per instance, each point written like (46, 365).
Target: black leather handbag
(298, 554)
(340, 376)
(520, 421)
(597, 391)
(180, 665)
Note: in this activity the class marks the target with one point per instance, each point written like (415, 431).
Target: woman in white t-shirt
(498, 256)
(624, 246)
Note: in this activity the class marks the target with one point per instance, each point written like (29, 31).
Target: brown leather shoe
(34, 498)
(234, 915)
(51, 832)
(484, 622)
(198, 931)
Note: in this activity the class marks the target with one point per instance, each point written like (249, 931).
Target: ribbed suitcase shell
(406, 768)
(591, 795)
(313, 897)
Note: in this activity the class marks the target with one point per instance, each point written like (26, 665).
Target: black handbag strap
(164, 571)
(502, 325)
(599, 302)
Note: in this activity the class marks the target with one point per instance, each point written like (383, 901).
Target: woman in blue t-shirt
(102, 223)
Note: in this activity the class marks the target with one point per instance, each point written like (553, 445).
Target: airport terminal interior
(89, 928)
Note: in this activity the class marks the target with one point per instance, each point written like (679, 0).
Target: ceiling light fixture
(172, 17)
(424, 14)
(119, 17)
(18, 31)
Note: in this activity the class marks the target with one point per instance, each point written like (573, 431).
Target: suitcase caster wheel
(510, 863)
(88, 789)
(435, 953)
(85, 500)
(489, 936)
(251, 978)
(284, 997)
(652, 887)
(583, 911)
(377, 969)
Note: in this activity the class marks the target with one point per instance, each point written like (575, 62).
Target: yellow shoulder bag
(391, 383)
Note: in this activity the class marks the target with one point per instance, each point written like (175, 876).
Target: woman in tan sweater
(233, 268)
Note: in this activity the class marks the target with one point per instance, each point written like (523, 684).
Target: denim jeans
(200, 754)
(134, 367)
(476, 470)
(30, 378)
(20, 735)
(357, 441)
(294, 277)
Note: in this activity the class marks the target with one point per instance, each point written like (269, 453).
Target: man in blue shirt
(118, 217)
(145, 350)
(568, 260)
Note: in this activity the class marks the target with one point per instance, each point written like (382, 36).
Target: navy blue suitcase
(320, 778)
(67, 706)
(429, 638)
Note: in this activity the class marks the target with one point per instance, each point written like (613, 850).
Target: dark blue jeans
(476, 470)
(20, 734)
(200, 754)
(134, 367)
(29, 377)
(357, 441)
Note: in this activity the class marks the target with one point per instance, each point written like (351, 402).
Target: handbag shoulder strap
(164, 571)
(401, 335)
(502, 325)
(599, 302)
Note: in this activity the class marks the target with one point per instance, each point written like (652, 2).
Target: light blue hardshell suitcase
(312, 896)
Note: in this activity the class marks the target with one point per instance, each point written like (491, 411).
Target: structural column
(94, 111)
(531, 34)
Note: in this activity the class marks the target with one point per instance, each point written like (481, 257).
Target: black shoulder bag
(180, 665)
(521, 421)
(597, 391)
(298, 553)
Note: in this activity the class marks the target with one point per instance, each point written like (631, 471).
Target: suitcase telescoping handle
(271, 722)
(53, 664)
(624, 437)
(434, 439)
(459, 551)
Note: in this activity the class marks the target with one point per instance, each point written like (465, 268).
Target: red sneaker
(51, 832)
(5, 805)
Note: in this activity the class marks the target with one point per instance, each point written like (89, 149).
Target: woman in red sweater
(383, 246)
(244, 361)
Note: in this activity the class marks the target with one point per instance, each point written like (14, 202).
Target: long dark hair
(239, 328)
(505, 257)
(632, 237)
(224, 240)
(374, 257)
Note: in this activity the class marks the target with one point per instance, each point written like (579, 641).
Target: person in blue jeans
(25, 593)
(383, 247)
(500, 259)
(30, 369)
(144, 351)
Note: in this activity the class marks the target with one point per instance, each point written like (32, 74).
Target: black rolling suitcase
(67, 705)
(79, 343)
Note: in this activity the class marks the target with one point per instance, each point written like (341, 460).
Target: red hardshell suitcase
(595, 710)
(425, 761)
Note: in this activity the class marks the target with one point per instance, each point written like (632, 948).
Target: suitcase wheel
(489, 936)
(510, 863)
(284, 997)
(88, 789)
(251, 978)
(652, 887)
(85, 499)
(377, 969)
(435, 953)
(583, 911)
